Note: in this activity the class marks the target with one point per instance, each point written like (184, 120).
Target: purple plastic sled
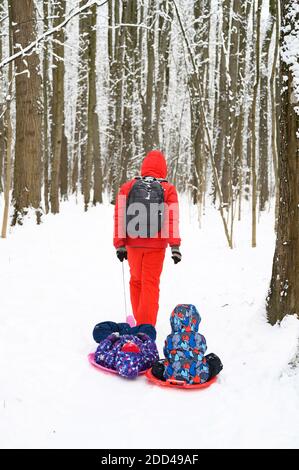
(105, 369)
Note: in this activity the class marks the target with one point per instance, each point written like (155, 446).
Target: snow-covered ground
(61, 278)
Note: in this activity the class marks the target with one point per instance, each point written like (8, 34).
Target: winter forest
(87, 88)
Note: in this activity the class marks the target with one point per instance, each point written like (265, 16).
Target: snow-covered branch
(28, 49)
(130, 25)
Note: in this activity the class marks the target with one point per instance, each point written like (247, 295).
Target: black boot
(215, 365)
(158, 370)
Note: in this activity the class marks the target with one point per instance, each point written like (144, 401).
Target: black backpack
(149, 217)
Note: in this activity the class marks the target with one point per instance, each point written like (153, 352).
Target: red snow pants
(145, 267)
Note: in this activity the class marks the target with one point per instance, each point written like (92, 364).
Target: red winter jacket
(154, 165)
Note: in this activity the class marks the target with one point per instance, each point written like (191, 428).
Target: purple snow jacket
(127, 354)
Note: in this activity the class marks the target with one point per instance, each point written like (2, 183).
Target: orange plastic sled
(178, 383)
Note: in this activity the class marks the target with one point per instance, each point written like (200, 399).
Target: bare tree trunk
(80, 135)
(140, 72)
(235, 107)
(117, 84)
(162, 51)
(28, 148)
(206, 129)
(254, 126)
(149, 100)
(2, 108)
(2, 145)
(275, 137)
(221, 155)
(112, 34)
(7, 186)
(263, 181)
(240, 148)
(64, 167)
(283, 298)
(98, 173)
(58, 105)
(93, 158)
(250, 79)
(201, 28)
(46, 94)
(216, 121)
(7, 173)
(129, 17)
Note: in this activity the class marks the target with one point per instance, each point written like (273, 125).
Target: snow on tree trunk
(28, 145)
(283, 298)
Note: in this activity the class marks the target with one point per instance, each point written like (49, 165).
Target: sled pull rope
(124, 288)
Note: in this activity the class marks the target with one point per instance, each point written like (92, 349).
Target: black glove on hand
(122, 253)
(176, 254)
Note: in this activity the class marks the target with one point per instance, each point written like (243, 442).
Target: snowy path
(59, 279)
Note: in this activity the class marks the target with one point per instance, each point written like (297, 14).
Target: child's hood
(184, 318)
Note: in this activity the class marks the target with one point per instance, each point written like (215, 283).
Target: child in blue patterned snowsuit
(185, 349)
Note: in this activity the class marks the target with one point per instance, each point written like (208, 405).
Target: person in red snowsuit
(146, 255)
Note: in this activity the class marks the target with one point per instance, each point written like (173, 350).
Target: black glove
(122, 253)
(176, 254)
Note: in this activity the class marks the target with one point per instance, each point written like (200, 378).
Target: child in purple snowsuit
(129, 351)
